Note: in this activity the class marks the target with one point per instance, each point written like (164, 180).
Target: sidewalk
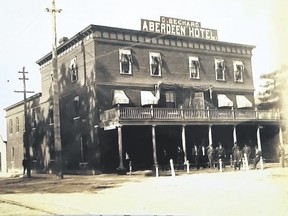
(8, 175)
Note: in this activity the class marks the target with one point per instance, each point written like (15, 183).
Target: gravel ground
(205, 192)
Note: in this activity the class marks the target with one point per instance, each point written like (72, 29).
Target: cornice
(140, 38)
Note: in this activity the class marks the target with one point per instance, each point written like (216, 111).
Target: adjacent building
(3, 160)
(143, 95)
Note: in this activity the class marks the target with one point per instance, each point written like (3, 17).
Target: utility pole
(56, 110)
(26, 132)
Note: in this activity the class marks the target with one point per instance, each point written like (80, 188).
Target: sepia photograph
(144, 107)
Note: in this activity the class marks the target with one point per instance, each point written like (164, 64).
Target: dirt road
(254, 192)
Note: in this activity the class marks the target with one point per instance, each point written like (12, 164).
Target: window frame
(73, 69)
(153, 64)
(235, 69)
(76, 105)
(17, 124)
(123, 53)
(170, 98)
(192, 66)
(51, 115)
(217, 61)
(10, 126)
(34, 120)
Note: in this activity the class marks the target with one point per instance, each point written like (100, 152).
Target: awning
(224, 101)
(242, 101)
(148, 98)
(119, 97)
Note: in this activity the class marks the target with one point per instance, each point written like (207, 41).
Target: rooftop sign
(181, 27)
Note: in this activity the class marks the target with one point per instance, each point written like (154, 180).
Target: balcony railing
(168, 114)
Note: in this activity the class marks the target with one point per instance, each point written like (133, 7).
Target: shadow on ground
(49, 183)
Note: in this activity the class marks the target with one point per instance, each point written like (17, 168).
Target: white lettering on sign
(172, 26)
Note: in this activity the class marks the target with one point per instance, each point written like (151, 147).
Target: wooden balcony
(136, 115)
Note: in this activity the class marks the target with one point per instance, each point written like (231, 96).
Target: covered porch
(180, 127)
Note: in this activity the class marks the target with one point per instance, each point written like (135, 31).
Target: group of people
(243, 156)
(217, 156)
(200, 155)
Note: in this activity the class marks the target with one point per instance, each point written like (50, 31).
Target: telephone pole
(56, 110)
(26, 133)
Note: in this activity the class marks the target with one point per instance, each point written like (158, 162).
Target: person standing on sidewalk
(220, 156)
(237, 158)
(246, 154)
(258, 155)
(195, 155)
(210, 153)
(24, 164)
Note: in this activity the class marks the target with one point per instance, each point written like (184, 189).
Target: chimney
(63, 40)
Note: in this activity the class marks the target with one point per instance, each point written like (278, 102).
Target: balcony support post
(121, 169)
(234, 134)
(210, 135)
(184, 143)
(154, 150)
(259, 145)
(280, 136)
(233, 112)
(151, 111)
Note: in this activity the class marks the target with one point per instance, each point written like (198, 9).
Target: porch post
(184, 143)
(210, 134)
(259, 145)
(154, 150)
(121, 167)
(234, 134)
(280, 136)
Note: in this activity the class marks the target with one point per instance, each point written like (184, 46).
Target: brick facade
(95, 51)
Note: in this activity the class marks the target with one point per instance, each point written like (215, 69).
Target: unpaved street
(255, 192)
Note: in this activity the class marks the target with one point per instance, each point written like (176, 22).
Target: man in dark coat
(258, 155)
(237, 157)
(195, 155)
(24, 164)
(220, 151)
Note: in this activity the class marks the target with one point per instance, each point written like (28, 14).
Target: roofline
(22, 102)
(92, 28)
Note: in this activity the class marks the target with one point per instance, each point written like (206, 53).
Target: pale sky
(26, 33)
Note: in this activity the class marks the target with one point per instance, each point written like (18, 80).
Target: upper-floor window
(10, 126)
(238, 67)
(155, 62)
(34, 119)
(220, 69)
(51, 114)
(170, 99)
(24, 126)
(76, 107)
(125, 59)
(73, 70)
(17, 124)
(194, 67)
